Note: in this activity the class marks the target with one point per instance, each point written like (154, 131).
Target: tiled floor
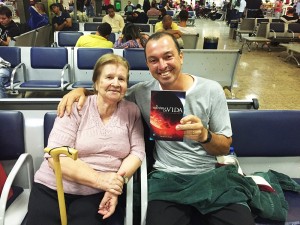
(261, 74)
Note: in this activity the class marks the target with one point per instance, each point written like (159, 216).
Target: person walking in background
(254, 8)
(98, 40)
(89, 9)
(146, 6)
(278, 8)
(116, 21)
(38, 16)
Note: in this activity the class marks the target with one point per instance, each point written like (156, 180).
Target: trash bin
(232, 28)
(210, 42)
(118, 5)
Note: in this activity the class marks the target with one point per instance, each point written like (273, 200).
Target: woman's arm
(80, 172)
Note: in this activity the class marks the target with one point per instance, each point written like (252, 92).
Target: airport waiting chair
(49, 70)
(66, 38)
(43, 36)
(25, 39)
(139, 70)
(84, 62)
(90, 26)
(247, 26)
(144, 27)
(190, 41)
(141, 176)
(13, 55)
(19, 166)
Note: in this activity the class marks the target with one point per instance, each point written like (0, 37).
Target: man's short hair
(183, 15)
(110, 6)
(158, 35)
(167, 18)
(104, 29)
(5, 11)
(54, 5)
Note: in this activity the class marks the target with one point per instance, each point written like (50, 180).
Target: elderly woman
(108, 134)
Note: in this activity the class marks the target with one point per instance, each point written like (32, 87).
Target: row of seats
(59, 69)
(69, 38)
(274, 32)
(39, 37)
(254, 132)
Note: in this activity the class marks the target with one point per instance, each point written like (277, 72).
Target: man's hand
(193, 128)
(108, 205)
(77, 95)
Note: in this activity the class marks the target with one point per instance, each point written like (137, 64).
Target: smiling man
(8, 28)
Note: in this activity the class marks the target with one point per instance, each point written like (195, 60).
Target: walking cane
(55, 152)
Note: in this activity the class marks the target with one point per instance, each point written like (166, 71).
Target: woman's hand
(108, 205)
(111, 182)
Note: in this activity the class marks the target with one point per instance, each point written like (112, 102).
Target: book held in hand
(166, 111)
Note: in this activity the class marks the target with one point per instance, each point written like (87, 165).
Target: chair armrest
(24, 158)
(13, 74)
(290, 31)
(144, 191)
(274, 33)
(66, 67)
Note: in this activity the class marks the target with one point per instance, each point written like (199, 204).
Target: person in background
(137, 17)
(81, 14)
(167, 25)
(116, 21)
(254, 8)
(163, 12)
(128, 8)
(183, 18)
(62, 19)
(240, 9)
(38, 16)
(131, 38)
(8, 28)
(290, 17)
(146, 6)
(278, 8)
(98, 40)
(153, 11)
(139, 8)
(108, 134)
(89, 9)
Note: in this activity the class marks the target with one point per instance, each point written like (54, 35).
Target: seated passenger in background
(38, 16)
(81, 14)
(153, 11)
(290, 17)
(167, 25)
(61, 20)
(116, 21)
(8, 28)
(131, 37)
(98, 40)
(137, 17)
(183, 18)
(108, 134)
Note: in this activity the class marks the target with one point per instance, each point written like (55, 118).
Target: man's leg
(234, 214)
(167, 213)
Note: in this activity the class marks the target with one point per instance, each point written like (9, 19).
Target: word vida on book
(168, 109)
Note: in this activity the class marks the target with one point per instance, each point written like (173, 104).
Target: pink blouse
(102, 146)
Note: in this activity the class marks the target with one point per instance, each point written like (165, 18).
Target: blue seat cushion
(83, 84)
(42, 84)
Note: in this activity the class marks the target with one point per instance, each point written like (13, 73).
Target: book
(166, 111)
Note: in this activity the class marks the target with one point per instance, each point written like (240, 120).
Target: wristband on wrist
(208, 139)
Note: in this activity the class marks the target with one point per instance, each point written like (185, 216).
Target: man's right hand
(76, 95)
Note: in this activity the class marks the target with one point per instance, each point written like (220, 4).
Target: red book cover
(167, 108)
